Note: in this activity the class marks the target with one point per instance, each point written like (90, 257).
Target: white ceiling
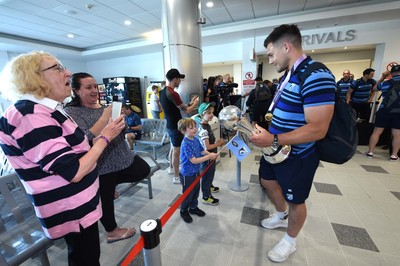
(100, 30)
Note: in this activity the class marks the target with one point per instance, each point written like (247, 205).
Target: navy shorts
(175, 136)
(385, 119)
(295, 175)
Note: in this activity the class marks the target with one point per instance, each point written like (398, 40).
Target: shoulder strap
(310, 68)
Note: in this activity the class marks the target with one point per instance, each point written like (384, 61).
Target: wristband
(104, 138)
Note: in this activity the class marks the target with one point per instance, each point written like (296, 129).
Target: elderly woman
(118, 164)
(52, 156)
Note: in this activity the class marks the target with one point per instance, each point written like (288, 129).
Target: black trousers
(84, 247)
(363, 110)
(137, 171)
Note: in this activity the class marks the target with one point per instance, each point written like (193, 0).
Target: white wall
(383, 34)
(150, 65)
(217, 70)
(355, 61)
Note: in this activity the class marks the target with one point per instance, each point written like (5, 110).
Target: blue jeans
(191, 200)
(207, 179)
(155, 114)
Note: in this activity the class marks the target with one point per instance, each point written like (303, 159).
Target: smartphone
(116, 110)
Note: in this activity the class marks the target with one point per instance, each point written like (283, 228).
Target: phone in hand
(116, 110)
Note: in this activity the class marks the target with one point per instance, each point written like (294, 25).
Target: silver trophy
(231, 118)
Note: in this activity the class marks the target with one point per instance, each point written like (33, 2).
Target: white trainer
(170, 171)
(176, 180)
(281, 251)
(274, 222)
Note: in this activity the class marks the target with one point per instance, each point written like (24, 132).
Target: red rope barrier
(164, 219)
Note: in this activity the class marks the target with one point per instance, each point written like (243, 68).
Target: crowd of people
(81, 154)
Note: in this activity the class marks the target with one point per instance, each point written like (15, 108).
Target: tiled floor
(353, 218)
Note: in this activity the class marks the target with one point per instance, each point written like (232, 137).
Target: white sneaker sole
(283, 225)
(280, 259)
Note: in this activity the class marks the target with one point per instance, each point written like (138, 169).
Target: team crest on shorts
(289, 195)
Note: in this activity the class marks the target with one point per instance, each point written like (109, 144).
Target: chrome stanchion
(151, 230)
(238, 185)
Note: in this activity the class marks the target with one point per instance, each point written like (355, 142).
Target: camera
(226, 88)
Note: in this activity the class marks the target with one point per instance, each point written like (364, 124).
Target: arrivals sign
(329, 37)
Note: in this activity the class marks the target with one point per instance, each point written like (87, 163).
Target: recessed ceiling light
(209, 4)
(345, 47)
(127, 22)
(70, 35)
(70, 12)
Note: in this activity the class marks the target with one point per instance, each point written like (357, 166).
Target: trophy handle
(243, 125)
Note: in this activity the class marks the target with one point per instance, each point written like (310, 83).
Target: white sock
(282, 215)
(291, 240)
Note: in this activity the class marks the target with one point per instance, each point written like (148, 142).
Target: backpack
(340, 143)
(391, 102)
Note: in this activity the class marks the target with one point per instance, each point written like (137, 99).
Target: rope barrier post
(238, 185)
(151, 230)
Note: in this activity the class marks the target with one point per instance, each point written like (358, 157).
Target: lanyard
(282, 85)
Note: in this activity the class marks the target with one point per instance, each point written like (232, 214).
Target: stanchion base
(243, 186)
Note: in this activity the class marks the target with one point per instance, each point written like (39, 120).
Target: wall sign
(329, 37)
(248, 75)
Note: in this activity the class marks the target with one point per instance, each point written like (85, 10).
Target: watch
(276, 140)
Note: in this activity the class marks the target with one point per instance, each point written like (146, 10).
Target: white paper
(116, 110)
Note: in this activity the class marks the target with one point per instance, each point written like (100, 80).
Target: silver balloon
(232, 119)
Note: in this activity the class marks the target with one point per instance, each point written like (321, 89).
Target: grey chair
(21, 235)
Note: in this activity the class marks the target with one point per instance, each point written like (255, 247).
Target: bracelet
(104, 138)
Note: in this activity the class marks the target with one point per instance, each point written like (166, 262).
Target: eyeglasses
(57, 66)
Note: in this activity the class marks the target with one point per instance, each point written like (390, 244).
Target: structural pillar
(181, 27)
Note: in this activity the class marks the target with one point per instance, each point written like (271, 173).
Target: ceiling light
(209, 4)
(312, 50)
(127, 22)
(154, 36)
(345, 47)
(70, 12)
(70, 35)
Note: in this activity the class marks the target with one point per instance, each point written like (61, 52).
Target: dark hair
(290, 32)
(267, 82)
(210, 82)
(368, 71)
(76, 85)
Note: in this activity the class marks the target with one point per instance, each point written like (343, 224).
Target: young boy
(134, 124)
(207, 138)
(192, 154)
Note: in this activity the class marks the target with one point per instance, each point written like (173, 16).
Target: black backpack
(391, 102)
(341, 140)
